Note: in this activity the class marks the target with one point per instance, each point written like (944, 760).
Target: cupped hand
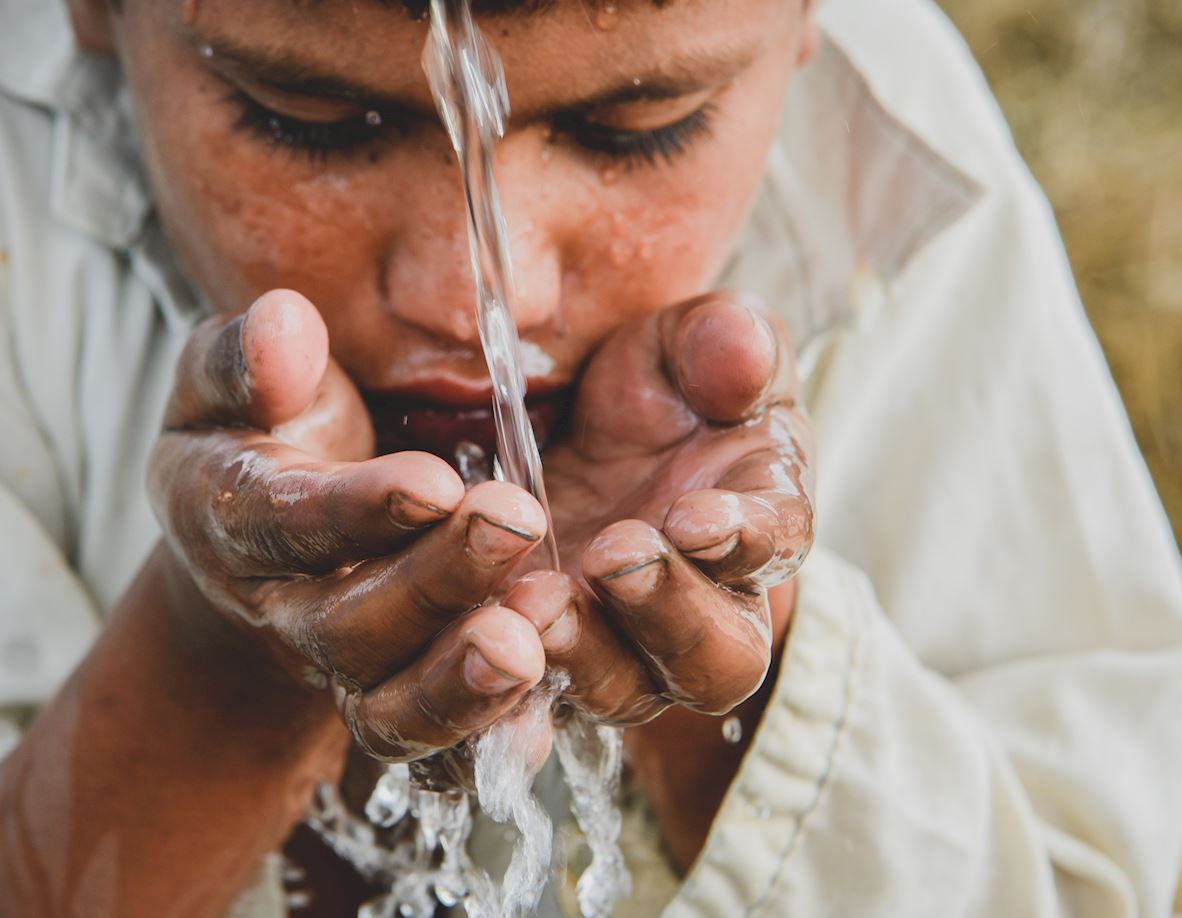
(364, 574)
(680, 496)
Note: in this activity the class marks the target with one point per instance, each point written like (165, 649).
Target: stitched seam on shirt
(825, 778)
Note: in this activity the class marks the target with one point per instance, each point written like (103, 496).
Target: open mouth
(410, 422)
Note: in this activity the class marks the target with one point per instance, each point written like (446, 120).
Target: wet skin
(301, 550)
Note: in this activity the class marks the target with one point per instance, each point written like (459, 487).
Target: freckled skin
(295, 560)
(381, 247)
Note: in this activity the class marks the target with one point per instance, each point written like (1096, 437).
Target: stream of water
(423, 860)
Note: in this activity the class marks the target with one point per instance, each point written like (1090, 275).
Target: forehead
(416, 9)
(542, 42)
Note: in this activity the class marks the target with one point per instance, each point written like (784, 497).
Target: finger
(717, 358)
(722, 354)
(627, 371)
(261, 368)
(753, 539)
(375, 619)
(470, 677)
(265, 509)
(710, 647)
(607, 679)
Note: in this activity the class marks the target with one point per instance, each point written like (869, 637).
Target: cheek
(242, 225)
(245, 218)
(658, 236)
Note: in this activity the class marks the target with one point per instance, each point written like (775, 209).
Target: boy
(1001, 741)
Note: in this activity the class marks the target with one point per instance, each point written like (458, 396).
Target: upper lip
(442, 394)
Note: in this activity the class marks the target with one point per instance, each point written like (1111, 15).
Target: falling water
(424, 861)
(469, 87)
(468, 84)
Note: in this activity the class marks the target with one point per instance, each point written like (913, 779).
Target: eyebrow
(288, 73)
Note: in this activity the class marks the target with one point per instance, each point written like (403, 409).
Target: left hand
(681, 495)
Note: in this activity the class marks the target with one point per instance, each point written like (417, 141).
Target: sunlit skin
(311, 535)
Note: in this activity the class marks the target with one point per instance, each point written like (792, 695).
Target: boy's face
(294, 143)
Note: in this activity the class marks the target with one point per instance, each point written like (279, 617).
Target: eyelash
(318, 140)
(640, 147)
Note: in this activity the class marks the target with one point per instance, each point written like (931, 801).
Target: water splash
(504, 786)
(591, 756)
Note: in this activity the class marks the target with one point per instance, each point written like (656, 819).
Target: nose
(428, 274)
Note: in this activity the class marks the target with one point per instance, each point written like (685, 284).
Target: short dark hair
(418, 8)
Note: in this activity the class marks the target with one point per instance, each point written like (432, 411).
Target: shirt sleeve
(977, 712)
(877, 787)
(47, 618)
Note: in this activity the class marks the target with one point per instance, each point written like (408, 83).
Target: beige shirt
(980, 709)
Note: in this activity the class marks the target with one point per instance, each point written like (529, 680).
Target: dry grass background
(1093, 92)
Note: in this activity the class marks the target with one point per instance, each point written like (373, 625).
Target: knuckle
(722, 691)
(310, 637)
(373, 730)
(435, 609)
(431, 710)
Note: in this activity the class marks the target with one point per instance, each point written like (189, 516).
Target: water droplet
(636, 81)
(547, 152)
(732, 730)
(472, 463)
(609, 174)
(605, 16)
(763, 812)
(315, 678)
(390, 798)
(207, 51)
(373, 118)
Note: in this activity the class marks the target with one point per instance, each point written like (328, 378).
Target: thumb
(722, 355)
(261, 369)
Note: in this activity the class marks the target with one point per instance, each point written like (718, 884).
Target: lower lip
(439, 429)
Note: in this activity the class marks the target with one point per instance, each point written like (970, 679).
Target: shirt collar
(850, 196)
(97, 182)
(98, 186)
(851, 191)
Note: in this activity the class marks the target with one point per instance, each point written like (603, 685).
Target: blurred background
(1093, 92)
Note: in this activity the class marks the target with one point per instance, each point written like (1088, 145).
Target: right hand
(337, 568)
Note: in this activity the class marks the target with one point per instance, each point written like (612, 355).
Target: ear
(810, 33)
(91, 21)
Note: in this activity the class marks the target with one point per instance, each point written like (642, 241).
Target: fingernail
(561, 633)
(409, 513)
(485, 678)
(636, 582)
(716, 552)
(493, 542)
(769, 333)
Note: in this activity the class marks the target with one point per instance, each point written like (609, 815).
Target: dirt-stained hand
(365, 573)
(681, 496)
